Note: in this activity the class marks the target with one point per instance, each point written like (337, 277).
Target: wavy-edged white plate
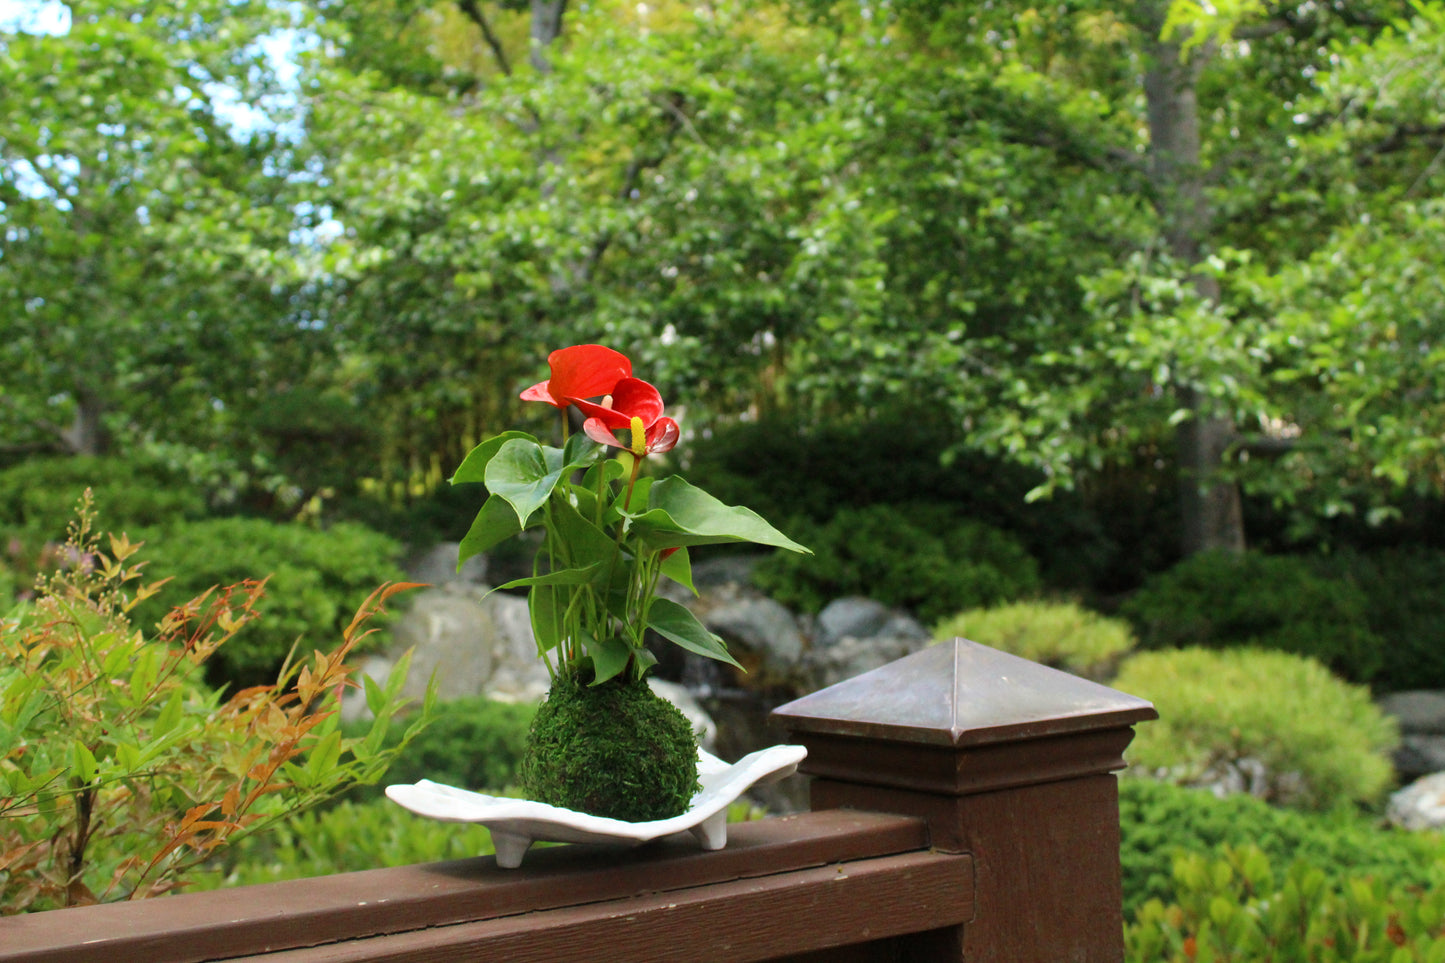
(517, 823)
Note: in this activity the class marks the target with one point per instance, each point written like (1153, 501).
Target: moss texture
(615, 750)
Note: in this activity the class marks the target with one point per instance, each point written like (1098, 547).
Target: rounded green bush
(1321, 740)
(318, 578)
(918, 557)
(616, 750)
(1062, 635)
(38, 497)
(473, 743)
(1222, 599)
(1406, 592)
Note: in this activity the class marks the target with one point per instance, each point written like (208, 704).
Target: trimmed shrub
(1159, 821)
(1406, 592)
(317, 578)
(917, 556)
(1244, 907)
(785, 466)
(1220, 600)
(1063, 635)
(1320, 741)
(38, 497)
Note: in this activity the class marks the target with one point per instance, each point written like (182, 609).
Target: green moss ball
(616, 750)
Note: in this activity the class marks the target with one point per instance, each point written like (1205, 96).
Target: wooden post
(1005, 759)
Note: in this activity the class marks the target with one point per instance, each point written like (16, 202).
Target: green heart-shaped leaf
(676, 624)
(679, 514)
(524, 473)
(495, 523)
(474, 467)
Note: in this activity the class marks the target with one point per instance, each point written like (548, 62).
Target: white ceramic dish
(517, 823)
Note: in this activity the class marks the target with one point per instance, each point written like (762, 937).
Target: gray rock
(482, 644)
(1419, 755)
(855, 635)
(850, 656)
(519, 675)
(725, 570)
(452, 633)
(438, 566)
(1420, 805)
(763, 627)
(1418, 711)
(853, 616)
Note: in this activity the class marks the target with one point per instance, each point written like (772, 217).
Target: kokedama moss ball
(616, 750)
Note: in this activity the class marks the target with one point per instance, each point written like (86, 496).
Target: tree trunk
(1212, 517)
(86, 434)
(546, 27)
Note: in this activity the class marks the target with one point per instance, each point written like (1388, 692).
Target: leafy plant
(915, 556)
(1219, 599)
(1063, 635)
(314, 576)
(1159, 821)
(37, 497)
(347, 837)
(1241, 907)
(120, 772)
(1315, 740)
(474, 743)
(1406, 592)
(609, 533)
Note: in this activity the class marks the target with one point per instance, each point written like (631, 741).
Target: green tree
(1271, 137)
(144, 273)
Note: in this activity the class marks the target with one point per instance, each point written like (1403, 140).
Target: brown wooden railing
(964, 808)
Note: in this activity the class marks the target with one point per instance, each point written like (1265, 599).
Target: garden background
(1133, 307)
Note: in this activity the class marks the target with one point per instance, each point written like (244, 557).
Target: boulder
(1420, 805)
(856, 635)
(1417, 710)
(852, 616)
(476, 643)
(438, 566)
(760, 633)
(1419, 755)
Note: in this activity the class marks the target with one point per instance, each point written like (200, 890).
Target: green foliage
(348, 837)
(1321, 740)
(920, 557)
(1159, 821)
(786, 464)
(1219, 599)
(1406, 592)
(1063, 635)
(474, 743)
(38, 496)
(615, 749)
(315, 578)
(1244, 907)
(146, 274)
(120, 772)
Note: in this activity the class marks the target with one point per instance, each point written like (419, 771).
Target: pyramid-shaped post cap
(960, 694)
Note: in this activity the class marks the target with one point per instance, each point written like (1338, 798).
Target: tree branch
(473, 12)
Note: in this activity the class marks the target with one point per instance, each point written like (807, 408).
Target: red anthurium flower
(643, 440)
(630, 398)
(635, 408)
(581, 371)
